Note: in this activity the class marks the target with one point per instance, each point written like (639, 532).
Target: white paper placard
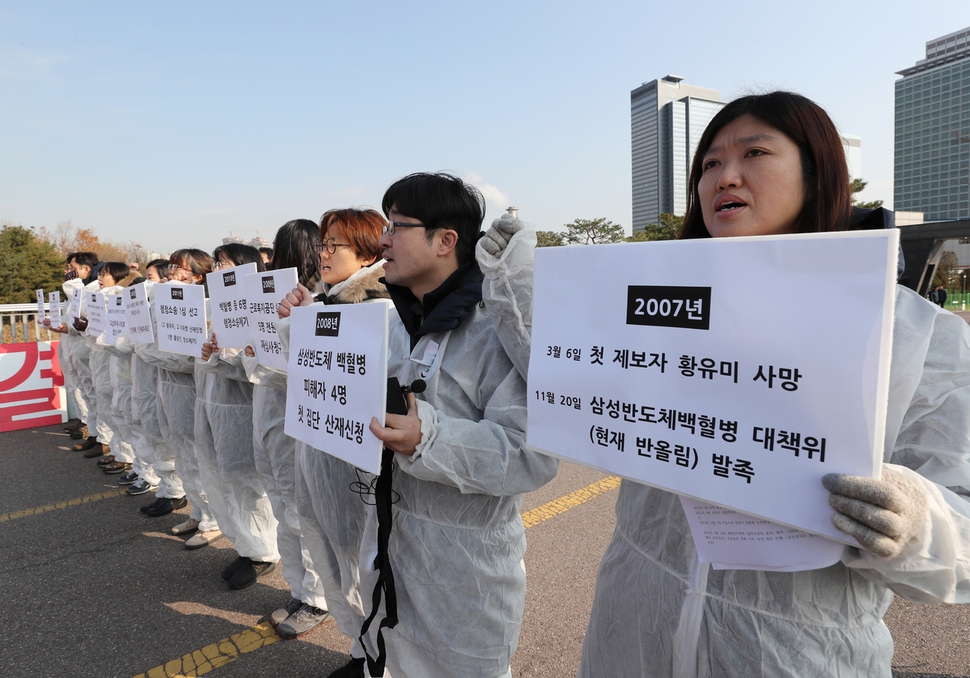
(227, 302)
(41, 311)
(74, 310)
(264, 291)
(337, 379)
(138, 315)
(55, 308)
(97, 317)
(736, 371)
(115, 305)
(180, 312)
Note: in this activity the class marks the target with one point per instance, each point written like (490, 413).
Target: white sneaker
(190, 525)
(201, 539)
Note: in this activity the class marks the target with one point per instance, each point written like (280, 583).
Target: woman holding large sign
(773, 164)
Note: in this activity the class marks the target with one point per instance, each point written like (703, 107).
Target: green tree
(857, 185)
(27, 263)
(669, 227)
(946, 271)
(593, 232)
(550, 238)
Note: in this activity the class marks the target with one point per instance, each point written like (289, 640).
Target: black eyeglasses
(392, 226)
(330, 245)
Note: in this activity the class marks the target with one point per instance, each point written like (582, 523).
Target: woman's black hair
(239, 254)
(297, 246)
(118, 270)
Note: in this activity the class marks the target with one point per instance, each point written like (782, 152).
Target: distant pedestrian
(941, 296)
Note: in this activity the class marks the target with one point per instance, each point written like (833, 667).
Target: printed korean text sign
(264, 291)
(138, 319)
(180, 313)
(77, 295)
(337, 379)
(115, 305)
(31, 386)
(55, 308)
(97, 315)
(737, 371)
(229, 306)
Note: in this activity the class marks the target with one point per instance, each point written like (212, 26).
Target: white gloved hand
(883, 515)
(499, 234)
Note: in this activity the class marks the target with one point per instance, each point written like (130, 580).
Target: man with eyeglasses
(457, 541)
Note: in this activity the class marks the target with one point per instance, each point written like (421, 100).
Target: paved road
(97, 588)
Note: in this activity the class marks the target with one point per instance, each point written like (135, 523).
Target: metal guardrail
(18, 324)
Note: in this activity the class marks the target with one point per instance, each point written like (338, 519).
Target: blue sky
(174, 123)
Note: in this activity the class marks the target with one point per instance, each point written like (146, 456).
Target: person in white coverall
(224, 442)
(461, 467)
(331, 512)
(297, 245)
(774, 164)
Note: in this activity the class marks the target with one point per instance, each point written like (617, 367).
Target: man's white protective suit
(100, 363)
(145, 433)
(81, 360)
(659, 612)
(457, 543)
(65, 356)
(224, 442)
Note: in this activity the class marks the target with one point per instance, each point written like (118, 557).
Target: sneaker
(247, 573)
(302, 621)
(141, 487)
(129, 478)
(281, 614)
(233, 566)
(117, 467)
(353, 669)
(165, 506)
(104, 461)
(190, 525)
(200, 539)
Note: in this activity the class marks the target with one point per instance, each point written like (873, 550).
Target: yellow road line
(37, 510)
(228, 649)
(555, 507)
(218, 654)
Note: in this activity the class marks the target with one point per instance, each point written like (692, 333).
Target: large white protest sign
(227, 302)
(180, 312)
(138, 318)
(55, 308)
(337, 379)
(264, 291)
(74, 311)
(737, 371)
(115, 305)
(97, 316)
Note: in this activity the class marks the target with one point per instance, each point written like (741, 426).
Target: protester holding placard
(115, 431)
(461, 466)
(331, 513)
(176, 408)
(224, 443)
(772, 164)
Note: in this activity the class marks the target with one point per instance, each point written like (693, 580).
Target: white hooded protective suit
(80, 356)
(457, 543)
(659, 612)
(224, 442)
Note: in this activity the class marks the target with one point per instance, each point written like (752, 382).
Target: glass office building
(932, 141)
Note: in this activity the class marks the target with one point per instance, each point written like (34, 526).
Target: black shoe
(87, 444)
(248, 572)
(79, 433)
(73, 425)
(166, 506)
(353, 669)
(97, 451)
(146, 507)
(233, 566)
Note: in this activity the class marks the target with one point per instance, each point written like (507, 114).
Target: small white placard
(41, 311)
(337, 379)
(77, 295)
(264, 292)
(97, 318)
(115, 304)
(227, 302)
(180, 312)
(736, 371)
(55, 308)
(138, 318)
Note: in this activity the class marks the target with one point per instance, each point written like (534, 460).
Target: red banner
(31, 386)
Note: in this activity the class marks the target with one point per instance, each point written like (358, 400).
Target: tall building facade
(932, 139)
(667, 118)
